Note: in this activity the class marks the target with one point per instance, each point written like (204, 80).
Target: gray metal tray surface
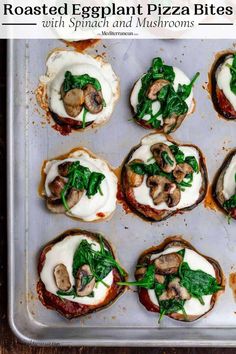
(30, 142)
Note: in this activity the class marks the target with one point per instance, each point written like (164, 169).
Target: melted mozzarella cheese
(63, 252)
(193, 307)
(180, 78)
(229, 184)
(142, 193)
(223, 78)
(98, 206)
(78, 64)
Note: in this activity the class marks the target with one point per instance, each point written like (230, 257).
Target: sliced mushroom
(56, 205)
(181, 170)
(85, 282)
(63, 168)
(156, 87)
(73, 101)
(163, 190)
(169, 294)
(93, 99)
(134, 179)
(168, 263)
(181, 291)
(159, 150)
(160, 278)
(140, 271)
(56, 186)
(173, 122)
(61, 277)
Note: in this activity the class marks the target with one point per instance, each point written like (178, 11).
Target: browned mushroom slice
(134, 179)
(93, 99)
(63, 168)
(163, 190)
(181, 170)
(172, 123)
(56, 186)
(160, 278)
(140, 271)
(156, 87)
(73, 101)
(168, 263)
(61, 277)
(164, 157)
(168, 294)
(181, 291)
(85, 281)
(56, 205)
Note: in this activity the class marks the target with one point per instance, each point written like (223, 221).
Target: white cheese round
(223, 78)
(63, 252)
(229, 182)
(180, 78)
(98, 206)
(77, 63)
(142, 193)
(196, 262)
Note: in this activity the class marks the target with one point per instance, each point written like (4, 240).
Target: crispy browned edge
(213, 84)
(120, 289)
(63, 157)
(179, 241)
(160, 215)
(218, 179)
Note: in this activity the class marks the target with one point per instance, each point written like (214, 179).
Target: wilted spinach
(233, 75)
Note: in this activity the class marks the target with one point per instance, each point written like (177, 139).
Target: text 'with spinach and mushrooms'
(175, 280)
(78, 90)
(79, 274)
(222, 85)
(161, 177)
(162, 97)
(81, 185)
(224, 188)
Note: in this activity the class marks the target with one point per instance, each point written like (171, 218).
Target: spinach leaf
(187, 182)
(95, 181)
(146, 282)
(172, 104)
(150, 169)
(79, 81)
(171, 306)
(233, 75)
(181, 252)
(197, 282)
(159, 289)
(167, 158)
(185, 90)
(230, 203)
(191, 160)
(178, 154)
(71, 292)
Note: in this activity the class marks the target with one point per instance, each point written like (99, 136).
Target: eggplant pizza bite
(78, 90)
(79, 184)
(162, 97)
(224, 189)
(161, 177)
(78, 274)
(174, 279)
(223, 85)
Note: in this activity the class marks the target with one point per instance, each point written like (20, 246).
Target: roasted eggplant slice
(78, 274)
(77, 90)
(222, 78)
(174, 177)
(177, 281)
(162, 97)
(224, 187)
(79, 184)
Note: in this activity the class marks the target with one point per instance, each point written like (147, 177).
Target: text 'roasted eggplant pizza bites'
(223, 85)
(80, 185)
(175, 280)
(162, 97)
(78, 90)
(224, 189)
(161, 177)
(78, 274)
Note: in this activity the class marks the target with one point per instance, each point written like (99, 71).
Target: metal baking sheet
(31, 140)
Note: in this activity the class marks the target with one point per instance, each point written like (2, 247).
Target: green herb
(171, 102)
(197, 282)
(72, 292)
(81, 178)
(100, 262)
(167, 158)
(187, 182)
(230, 203)
(150, 169)
(171, 306)
(79, 81)
(233, 74)
(159, 289)
(185, 90)
(85, 111)
(147, 281)
(191, 160)
(178, 154)
(181, 253)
